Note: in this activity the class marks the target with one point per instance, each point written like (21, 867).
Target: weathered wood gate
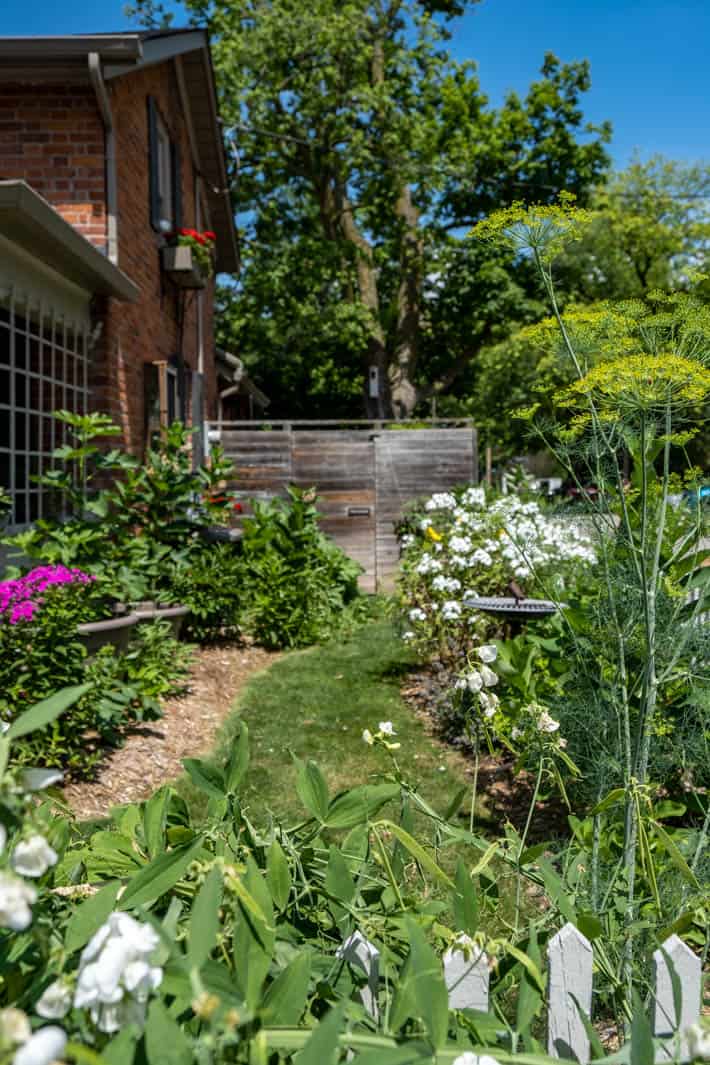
(364, 476)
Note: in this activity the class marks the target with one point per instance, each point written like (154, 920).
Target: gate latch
(358, 512)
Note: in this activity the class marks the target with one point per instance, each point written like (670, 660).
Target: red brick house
(108, 144)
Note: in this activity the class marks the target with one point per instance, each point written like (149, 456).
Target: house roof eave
(33, 224)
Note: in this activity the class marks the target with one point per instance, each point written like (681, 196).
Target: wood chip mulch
(152, 754)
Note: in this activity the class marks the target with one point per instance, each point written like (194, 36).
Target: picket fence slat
(570, 978)
(688, 969)
(466, 976)
(570, 963)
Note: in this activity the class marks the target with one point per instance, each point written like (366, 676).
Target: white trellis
(570, 975)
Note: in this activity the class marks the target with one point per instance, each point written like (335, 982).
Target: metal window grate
(43, 368)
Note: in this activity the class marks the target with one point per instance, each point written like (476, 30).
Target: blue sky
(649, 57)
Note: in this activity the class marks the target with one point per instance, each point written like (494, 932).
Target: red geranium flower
(238, 507)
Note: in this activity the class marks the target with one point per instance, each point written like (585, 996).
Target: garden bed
(152, 754)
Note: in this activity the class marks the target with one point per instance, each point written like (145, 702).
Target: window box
(182, 267)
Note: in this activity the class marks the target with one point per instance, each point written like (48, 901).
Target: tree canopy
(362, 152)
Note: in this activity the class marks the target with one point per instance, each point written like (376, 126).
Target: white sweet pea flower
(698, 1038)
(55, 1001)
(368, 738)
(475, 682)
(44, 1047)
(387, 728)
(33, 856)
(546, 723)
(490, 679)
(16, 898)
(14, 1026)
(115, 973)
(488, 652)
(489, 704)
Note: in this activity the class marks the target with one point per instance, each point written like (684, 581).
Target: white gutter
(104, 104)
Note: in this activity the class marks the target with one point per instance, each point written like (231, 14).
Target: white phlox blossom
(459, 562)
(16, 900)
(417, 614)
(115, 973)
(481, 558)
(407, 541)
(44, 1047)
(487, 652)
(428, 564)
(33, 856)
(55, 1001)
(460, 545)
(441, 501)
(474, 497)
(451, 610)
(446, 584)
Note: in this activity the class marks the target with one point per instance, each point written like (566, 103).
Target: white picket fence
(570, 964)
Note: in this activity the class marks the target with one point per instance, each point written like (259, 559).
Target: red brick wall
(52, 137)
(148, 330)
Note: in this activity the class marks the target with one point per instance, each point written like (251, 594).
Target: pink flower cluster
(20, 598)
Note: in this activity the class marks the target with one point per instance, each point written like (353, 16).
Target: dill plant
(636, 709)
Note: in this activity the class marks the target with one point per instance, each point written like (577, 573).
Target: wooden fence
(569, 989)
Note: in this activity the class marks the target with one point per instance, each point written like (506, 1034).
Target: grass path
(316, 703)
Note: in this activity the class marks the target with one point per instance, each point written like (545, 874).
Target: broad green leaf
(204, 918)
(165, 1041)
(121, 1049)
(160, 875)
(428, 988)
(206, 777)
(312, 789)
(417, 851)
(642, 1051)
(322, 1047)
(254, 933)
(590, 925)
(338, 881)
(278, 875)
(42, 714)
(238, 762)
(360, 804)
(88, 917)
(465, 901)
(285, 1000)
(530, 998)
(675, 855)
(528, 964)
(154, 818)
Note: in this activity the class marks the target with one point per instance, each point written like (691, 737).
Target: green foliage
(211, 583)
(296, 582)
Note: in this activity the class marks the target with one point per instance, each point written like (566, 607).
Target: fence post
(570, 983)
(364, 955)
(466, 975)
(675, 955)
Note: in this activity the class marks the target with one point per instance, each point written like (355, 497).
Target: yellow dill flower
(640, 382)
(543, 229)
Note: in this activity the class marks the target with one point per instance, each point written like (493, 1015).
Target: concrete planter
(116, 631)
(182, 268)
(150, 611)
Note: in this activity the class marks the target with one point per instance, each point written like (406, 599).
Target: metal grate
(43, 368)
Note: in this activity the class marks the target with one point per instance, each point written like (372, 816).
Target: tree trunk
(402, 368)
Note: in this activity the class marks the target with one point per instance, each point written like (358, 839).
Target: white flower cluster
(441, 501)
(535, 718)
(116, 974)
(478, 680)
(446, 584)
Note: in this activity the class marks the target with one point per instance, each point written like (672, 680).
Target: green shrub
(296, 581)
(210, 582)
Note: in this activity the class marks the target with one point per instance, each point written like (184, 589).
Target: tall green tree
(363, 152)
